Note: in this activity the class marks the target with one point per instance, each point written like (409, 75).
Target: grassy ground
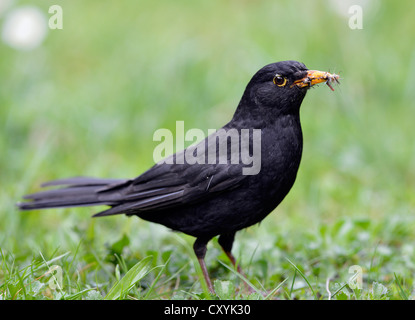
(88, 101)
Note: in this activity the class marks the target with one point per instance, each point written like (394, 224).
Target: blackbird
(208, 194)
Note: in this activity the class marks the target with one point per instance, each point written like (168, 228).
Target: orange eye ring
(279, 80)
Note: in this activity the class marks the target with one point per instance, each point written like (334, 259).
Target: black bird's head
(279, 88)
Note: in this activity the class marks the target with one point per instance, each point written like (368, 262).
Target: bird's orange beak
(315, 77)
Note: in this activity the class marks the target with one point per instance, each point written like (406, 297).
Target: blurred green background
(88, 99)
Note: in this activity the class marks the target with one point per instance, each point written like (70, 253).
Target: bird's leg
(226, 242)
(200, 250)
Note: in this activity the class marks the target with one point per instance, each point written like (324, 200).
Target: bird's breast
(282, 145)
(281, 150)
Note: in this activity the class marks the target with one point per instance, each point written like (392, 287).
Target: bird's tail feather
(79, 191)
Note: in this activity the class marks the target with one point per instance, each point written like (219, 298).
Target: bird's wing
(172, 182)
(169, 185)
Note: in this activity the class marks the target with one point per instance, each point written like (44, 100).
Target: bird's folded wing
(169, 185)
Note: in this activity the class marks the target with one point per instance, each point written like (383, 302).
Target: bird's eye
(280, 81)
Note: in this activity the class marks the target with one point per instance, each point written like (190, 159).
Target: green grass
(88, 101)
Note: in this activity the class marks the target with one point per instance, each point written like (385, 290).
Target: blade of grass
(303, 276)
(338, 290)
(78, 295)
(242, 278)
(135, 274)
(292, 283)
(401, 290)
(150, 290)
(275, 289)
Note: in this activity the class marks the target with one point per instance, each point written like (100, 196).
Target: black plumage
(206, 200)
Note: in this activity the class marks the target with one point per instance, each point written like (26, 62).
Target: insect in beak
(314, 77)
